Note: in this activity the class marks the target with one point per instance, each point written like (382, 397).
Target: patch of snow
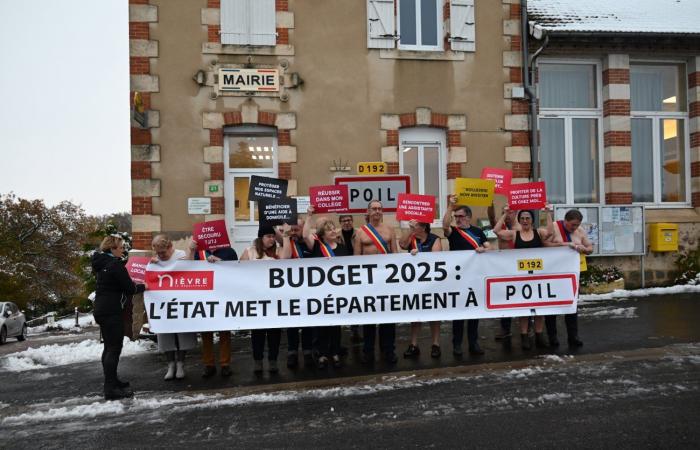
(623, 293)
(523, 373)
(4, 405)
(86, 320)
(59, 355)
(557, 358)
(553, 397)
(81, 411)
(609, 312)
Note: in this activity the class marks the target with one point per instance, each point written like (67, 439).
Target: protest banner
(190, 296)
(277, 212)
(333, 198)
(136, 266)
(210, 235)
(414, 206)
(263, 188)
(474, 191)
(501, 177)
(527, 196)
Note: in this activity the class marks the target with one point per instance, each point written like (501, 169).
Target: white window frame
(656, 117)
(568, 115)
(425, 137)
(440, 29)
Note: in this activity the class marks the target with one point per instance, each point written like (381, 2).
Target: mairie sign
(250, 80)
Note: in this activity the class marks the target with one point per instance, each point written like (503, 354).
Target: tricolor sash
(414, 243)
(202, 255)
(297, 252)
(467, 235)
(376, 238)
(565, 235)
(325, 248)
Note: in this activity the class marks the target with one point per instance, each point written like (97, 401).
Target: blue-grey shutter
(381, 28)
(462, 26)
(234, 22)
(262, 22)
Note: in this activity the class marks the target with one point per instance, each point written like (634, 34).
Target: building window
(422, 156)
(569, 126)
(420, 24)
(660, 168)
(248, 22)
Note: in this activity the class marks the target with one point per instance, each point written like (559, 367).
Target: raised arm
(548, 231)
(309, 223)
(285, 252)
(405, 239)
(500, 230)
(447, 218)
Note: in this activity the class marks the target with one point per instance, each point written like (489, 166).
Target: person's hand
(286, 229)
(412, 224)
(310, 210)
(414, 251)
(480, 249)
(213, 259)
(154, 259)
(548, 207)
(452, 200)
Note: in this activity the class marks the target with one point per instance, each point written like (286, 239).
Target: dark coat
(114, 286)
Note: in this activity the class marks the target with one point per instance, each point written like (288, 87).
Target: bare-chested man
(511, 224)
(567, 232)
(376, 238)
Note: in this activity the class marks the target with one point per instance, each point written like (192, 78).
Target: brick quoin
(618, 198)
(141, 240)
(216, 171)
(145, 97)
(284, 137)
(617, 138)
(392, 137)
(213, 33)
(519, 107)
(284, 171)
(266, 118)
(438, 120)
(392, 168)
(618, 169)
(138, 30)
(520, 138)
(695, 169)
(516, 75)
(616, 76)
(138, 2)
(213, 3)
(217, 205)
(616, 108)
(139, 65)
(141, 205)
(281, 5)
(408, 120)
(694, 110)
(515, 42)
(514, 11)
(521, 170)
(282, 36)
(140, 137)
(454, 138)
(694, 79)
(454, 170)
(696, 199)
(216, 137)
(233, 118)
(695, 139)
(446, 11)
(140, 170)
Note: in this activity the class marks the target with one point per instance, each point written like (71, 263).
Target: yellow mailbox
(663, 237)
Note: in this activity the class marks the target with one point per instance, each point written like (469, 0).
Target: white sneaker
(180, 374)
(170, 374)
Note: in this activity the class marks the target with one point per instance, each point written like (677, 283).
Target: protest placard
(527, 196)
(416, 207)
(210, 235)
(278, 211)
(333, 198)
(262, 188)
(501, 177)
(136, 266)
(474, 191)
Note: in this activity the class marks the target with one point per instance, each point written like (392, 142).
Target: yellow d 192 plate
(530, 264)
(371, 168)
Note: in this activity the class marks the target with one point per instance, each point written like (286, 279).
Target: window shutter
(381, 27)
(462, 26)
(248, 22)
(262, 22)
(234, 22)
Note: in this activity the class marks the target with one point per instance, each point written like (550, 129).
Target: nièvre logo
(191, 280)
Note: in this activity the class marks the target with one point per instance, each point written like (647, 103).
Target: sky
(64, 88)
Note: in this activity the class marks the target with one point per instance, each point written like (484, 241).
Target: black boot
(525, 341)
(540, 341)
(553, 341)
(475, 349)
(117, 393)
(574, 341)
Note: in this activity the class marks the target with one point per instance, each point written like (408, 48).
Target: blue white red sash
(297, 252)
(325, 248)
(415, 244)
(469, 237)
(565, 235)
(202, 255)
(376, 238)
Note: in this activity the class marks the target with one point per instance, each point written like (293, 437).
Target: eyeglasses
(376, 209)
(460, 215)
(346, 221)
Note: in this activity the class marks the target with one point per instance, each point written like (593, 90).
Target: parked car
(12, 322)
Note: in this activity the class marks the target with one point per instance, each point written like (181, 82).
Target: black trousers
(570, 320)
(328, 340)
(505, 323)
(307, 339)
(273, 336)
(112, 328)
(387, 337)
(458, 331)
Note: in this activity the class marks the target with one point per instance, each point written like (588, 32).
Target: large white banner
(202, 296)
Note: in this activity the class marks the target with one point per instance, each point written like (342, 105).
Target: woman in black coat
(114, 290)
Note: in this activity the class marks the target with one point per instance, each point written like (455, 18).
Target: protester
(348, 230)
(173, 345)
(113, 291)
(327, 243)
(265, 248)
(527, 237)
(464, 236)
(298, 250)
(419, 239)
(220, 254)
(376, 238)
(567, 232)
(509, 224)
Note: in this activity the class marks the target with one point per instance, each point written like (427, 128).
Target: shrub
(595, 275)
(688, 267)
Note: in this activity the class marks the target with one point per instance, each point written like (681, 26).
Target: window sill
(446, 55)
(213, 48)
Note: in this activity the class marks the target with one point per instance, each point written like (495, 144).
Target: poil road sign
(386, 189)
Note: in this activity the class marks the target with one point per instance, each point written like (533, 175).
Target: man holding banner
(376, 238)
(464, 236)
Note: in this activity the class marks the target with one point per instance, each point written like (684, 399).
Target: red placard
(333, 198)
(527, 196)
(210, 235)
(502, 178)
(415, 207)
(136, 266)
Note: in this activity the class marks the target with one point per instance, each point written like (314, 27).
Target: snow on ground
(86, 320)
(609, 312)
(623, 294)
(59, 355)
